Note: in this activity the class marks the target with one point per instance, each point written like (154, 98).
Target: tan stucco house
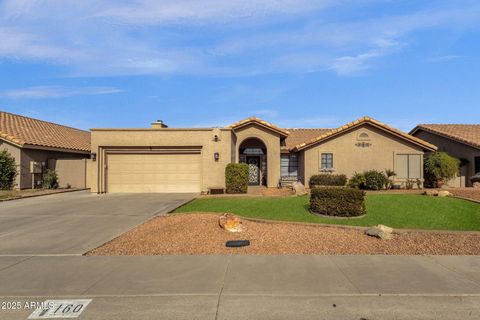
(39, 145)
(459, 140)
(162, 159)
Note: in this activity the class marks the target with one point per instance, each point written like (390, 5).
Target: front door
(253, 171)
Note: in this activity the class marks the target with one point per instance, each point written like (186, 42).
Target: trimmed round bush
(236, 178)
(328, 180)
(338, 202)
(8, 170)
(440, 166)
(375, 180)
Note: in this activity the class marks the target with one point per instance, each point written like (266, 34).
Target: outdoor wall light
(93, 156)
(216, 138)
(216, 156)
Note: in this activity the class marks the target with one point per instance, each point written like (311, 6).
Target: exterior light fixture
(93, 156)
(216, 156)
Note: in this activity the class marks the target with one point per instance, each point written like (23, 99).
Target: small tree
(439, 167)
(50, 179)
(8, 170)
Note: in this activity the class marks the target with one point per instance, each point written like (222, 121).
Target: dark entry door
(477, 165)
(253, 170)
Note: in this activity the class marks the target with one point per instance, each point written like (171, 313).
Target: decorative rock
(230, 223)
(432, 193)
(444, 194)
(299, 188)
(476, 185)
(380, 231)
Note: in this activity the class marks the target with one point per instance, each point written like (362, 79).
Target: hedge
(8, 170)
(338, 202)
(236, 177)
(327, 180)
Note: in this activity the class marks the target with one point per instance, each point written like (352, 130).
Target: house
(163, 159)
(459, 140)
(39, 145)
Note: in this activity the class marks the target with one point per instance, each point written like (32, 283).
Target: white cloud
(214, 37)
(41, 92)
(206, 11)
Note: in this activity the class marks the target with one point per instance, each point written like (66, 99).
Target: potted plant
(439, 168)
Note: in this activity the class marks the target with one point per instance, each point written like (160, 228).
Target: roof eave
(425, 145)
(417, 128)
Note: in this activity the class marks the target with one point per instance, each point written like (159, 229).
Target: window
(289, 165)
(326, 162)
(409, 166)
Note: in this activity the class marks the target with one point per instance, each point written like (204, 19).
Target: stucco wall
(15, 152)
(271, 141)
(71, 167)
(455, 149)
(213, 172)
(349, 158)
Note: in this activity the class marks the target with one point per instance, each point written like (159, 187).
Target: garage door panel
(154, 173)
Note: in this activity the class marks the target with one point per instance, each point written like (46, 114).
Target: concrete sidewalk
(250, 287)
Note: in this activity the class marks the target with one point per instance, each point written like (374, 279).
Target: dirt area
(468, 193)
(199, 233)
(18, 194)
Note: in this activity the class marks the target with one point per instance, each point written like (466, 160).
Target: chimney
(159, 125)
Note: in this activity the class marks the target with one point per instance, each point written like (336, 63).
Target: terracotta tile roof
(298, 136)
(359, 122)
(466, 133)
(22, 131)
(261, 122)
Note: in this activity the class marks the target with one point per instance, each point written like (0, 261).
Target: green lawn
(398, 211)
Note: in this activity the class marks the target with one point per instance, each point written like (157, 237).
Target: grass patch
(6, 195)
(397, 211)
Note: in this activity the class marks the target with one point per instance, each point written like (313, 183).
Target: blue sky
(297, 63)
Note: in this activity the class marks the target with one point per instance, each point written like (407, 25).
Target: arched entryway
(253, 152)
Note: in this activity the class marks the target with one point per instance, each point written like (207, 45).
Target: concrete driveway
(76, 222)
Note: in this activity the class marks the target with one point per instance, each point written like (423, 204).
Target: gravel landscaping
(199, 233)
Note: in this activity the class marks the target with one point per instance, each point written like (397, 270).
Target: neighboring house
(39, 145)
(459, 140)
(162, 159)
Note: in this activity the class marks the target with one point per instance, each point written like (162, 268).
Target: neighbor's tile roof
(261, 122)
(466, 133)
(361, 121)
(298, 136)
(22, 131)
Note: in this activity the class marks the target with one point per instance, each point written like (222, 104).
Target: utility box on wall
(36, 167)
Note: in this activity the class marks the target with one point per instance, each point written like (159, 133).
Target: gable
(361, 122)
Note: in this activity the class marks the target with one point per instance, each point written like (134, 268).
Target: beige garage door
(153, 173)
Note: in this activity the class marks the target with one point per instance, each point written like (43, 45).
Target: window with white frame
(326, 161)
(289, 165)
(409, 166)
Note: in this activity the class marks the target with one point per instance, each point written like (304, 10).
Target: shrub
(375, 180)
(338, 202)
(357, 181)
(328, 180)
(50, 179)
(236, 177)
(8, 170)
(390, 174)
(440, 166)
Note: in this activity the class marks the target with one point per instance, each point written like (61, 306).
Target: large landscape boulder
(431, 193)
(299, 188)
(444, 193)
(380, 231)
(230, 222)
